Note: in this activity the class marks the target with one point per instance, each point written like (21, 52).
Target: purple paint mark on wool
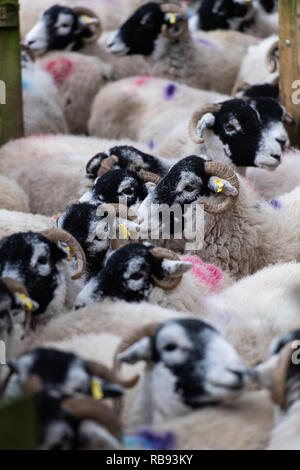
(170, 91)
(205, 42)
(275, 204)
(151, 144)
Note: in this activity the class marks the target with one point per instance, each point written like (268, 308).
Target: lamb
(160, 33)
(258, 18)
(78, 29)
(238, 230)
(42, 265)
(13, 197)
(280, 376)
(43, 108)
(145, 109)
(260, 64)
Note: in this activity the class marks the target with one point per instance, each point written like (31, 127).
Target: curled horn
(288, 119)
(250, 12)
(280, 374)
(222, 171)
(95, 368)
(171, 8)
(57, 234)
(149, 177)
(239, 87)
(97, 26)
(164, 253)
(88, 408)
(271, 61)
(107, 164)
(196, 117)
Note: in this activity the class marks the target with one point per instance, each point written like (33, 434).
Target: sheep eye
(65, 25)
(128, 191)
(170, 347)
(136, 276)
(42, 260)
(189, 188)
(229, 128)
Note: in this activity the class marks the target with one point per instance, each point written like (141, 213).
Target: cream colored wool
(13, 221)
(12, 196)
(51, 169)
(146, 109)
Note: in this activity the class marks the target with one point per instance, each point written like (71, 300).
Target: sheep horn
(222, 171)
(196, 117)
(107, 164)
(149, 177)
(95, 368)
(280, 374)
(33, 384)
(239, 87)
(250, 12)
(171, 8)
(164, 253)
(271, 61)
(58, 234)
(82, 11)
(88, 408)
(288, 119)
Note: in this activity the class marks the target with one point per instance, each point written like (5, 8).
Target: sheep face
(34, 261)
(139, 34)
(246, 134)
(190, 365)
(223, 14)
(129, 274)
(128, 157)
(61, 373)
(60, 28)
(90, 230)
(117, 186)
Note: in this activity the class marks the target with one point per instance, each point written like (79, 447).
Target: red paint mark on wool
(142, 80)
(207, 274)
(60, 69)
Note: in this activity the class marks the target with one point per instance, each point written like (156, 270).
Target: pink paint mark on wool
(143, 80)
(207, 274)
(59, 69)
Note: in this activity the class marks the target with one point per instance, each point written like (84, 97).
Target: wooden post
(289, 53)
(11, 109)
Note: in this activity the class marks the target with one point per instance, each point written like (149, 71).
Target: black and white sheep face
(60, 373)
(90, 230)
(222, 14)
(128, 157)
(128, 275)
(191, 364)
(115, 186)
(59, 28)
(140, 33)
(247, 134)
(34, 261)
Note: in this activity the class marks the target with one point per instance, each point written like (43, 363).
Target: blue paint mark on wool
(151, 144)
(26, 84)
(205, 42)
(170, 91)
(275, 204)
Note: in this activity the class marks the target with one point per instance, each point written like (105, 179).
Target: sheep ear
(220, 185)
(206, 122)
(175, 268)
(139, 351)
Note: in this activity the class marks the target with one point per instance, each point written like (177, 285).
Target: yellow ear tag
(173, 18)
(96, 390)
(124, 230)
(27, 302)
(86, 19)
(70, 254)
(220, 185)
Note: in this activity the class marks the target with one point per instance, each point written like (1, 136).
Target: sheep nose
(240, 377)
(282, 142)
(78, 306)
(29, 43)
(277, 157)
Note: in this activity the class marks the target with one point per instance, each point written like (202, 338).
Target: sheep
(259, 18)
(14, 221)
(145, 109)
(239, 231)
(78, 29)
(13, 197)
(78, 78)
(160, 33)
(260, 65)
(43, 108)
(36, 260)
(280, 376)
(56, 165)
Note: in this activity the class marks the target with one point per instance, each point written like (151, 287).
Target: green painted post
(11, 107)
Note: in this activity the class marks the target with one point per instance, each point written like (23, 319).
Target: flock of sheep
(133, 341)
